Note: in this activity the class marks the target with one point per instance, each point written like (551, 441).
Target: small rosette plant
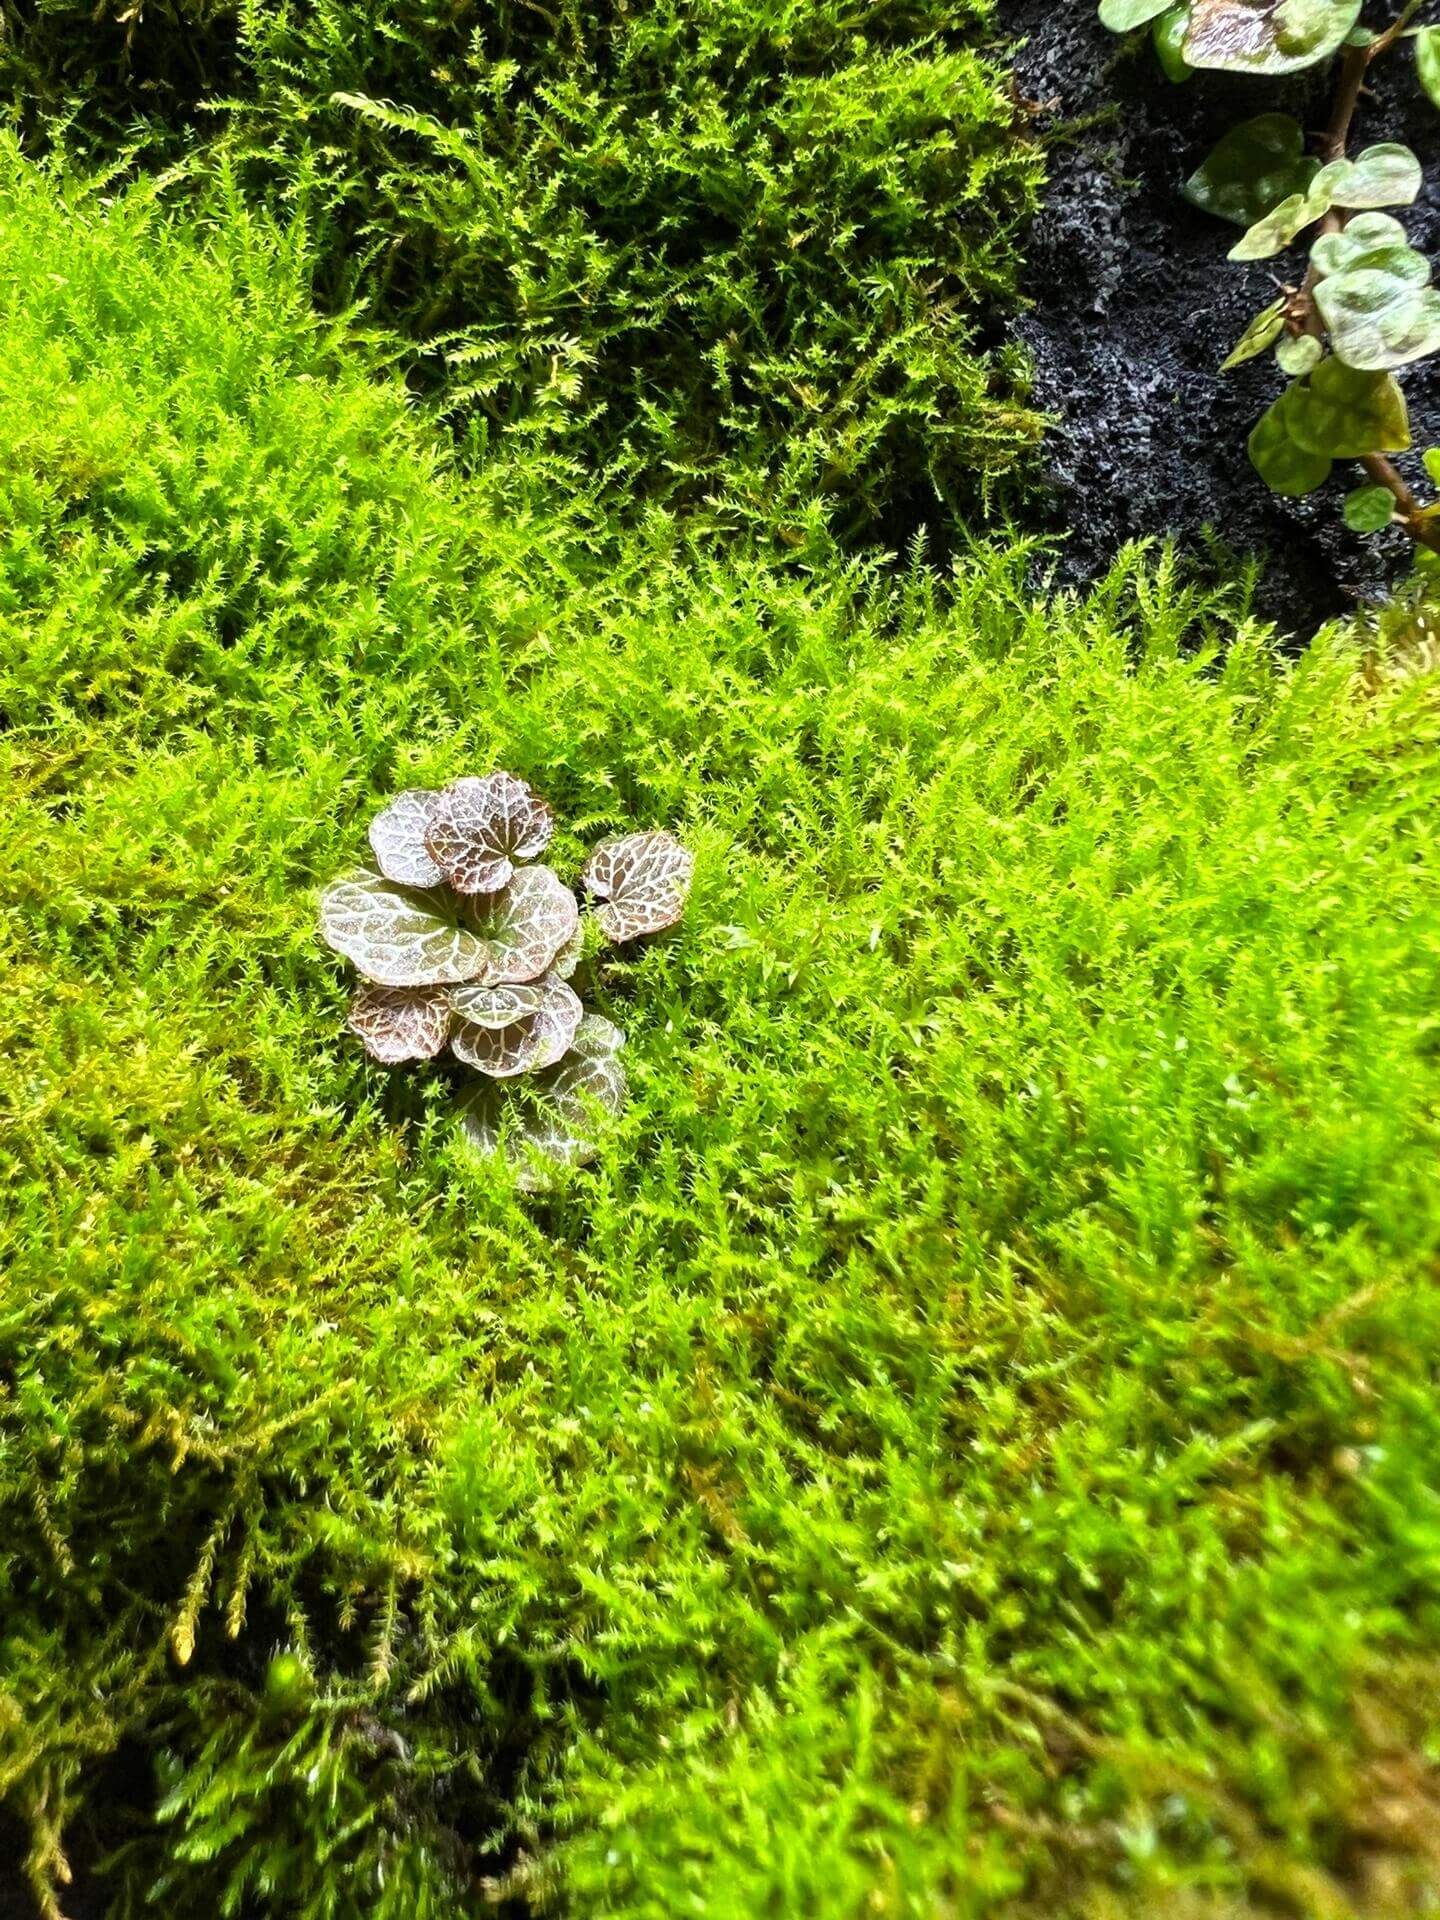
(461, 944)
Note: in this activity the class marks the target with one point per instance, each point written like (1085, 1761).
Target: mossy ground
(969, 1446)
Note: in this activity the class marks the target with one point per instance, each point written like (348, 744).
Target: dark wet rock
(1135, 306)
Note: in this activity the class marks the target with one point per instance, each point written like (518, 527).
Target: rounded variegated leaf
(497, 1007)
(571, 954)
(480, 828)
(1298, 354)
(1387, 175)
(555, 1120)
(398, 937)
(1266, 36)
(525, 926)
(642, 881)
(1369, 240)
(1344, 413)
(1282, 463)
(528, 1045)
(398, 838)
(1377, 319)
(401, 1023)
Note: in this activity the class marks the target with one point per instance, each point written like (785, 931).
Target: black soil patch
(1135, 306)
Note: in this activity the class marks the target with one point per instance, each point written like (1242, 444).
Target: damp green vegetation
(750, 256)
(968, 1445)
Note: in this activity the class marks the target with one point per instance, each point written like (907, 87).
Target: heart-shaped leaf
(1263, 331)
(1387, 175)
(536, 1040)
(1369, 509)
(1252, 169)
(1281, 462)
(1344, 414)
(1122, 16)
(642, 880)
(1377, 320)
(479, 828)
(401, 1023)
(398, 838)
(554, 1120)
(1298, 353)
(1267, 36)
(398, 937)
(524, 927)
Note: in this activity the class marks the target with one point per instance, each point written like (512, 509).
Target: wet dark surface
(1135, 306)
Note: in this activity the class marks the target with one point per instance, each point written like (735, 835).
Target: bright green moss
(973, 1441)
(752, 255)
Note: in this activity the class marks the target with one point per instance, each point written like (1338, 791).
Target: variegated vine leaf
(508, 1030)
(478, 829)
(398, 937)
(1266, 36)
(525, 927)
(398, 838)
(401, 1023)
(556, 1119)
(642, 880)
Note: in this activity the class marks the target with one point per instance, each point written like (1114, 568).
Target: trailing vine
(1363, 307)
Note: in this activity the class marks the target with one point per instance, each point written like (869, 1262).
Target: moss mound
(971, 1441)
(752, 256)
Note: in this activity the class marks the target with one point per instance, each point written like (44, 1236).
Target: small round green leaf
(1256, 166)
(1369, 509)
(1297, 353)
(1427, 61)
(1431, 457)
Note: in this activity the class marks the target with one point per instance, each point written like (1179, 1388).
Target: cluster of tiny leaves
(1366, 307)
(459, 943)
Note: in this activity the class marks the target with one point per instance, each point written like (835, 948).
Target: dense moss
(972, 1439)
(753, 255)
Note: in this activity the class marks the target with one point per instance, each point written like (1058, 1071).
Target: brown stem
(1425, 533)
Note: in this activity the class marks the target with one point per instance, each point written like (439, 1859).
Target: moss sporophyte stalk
(1363, 307)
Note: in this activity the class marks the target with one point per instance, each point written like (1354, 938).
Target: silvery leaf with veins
(401, 1023)
(479, 828)
(528, 1044)
(398, 837)
(398, 937)
(524, 926)
(642, 881)
(556, 1119)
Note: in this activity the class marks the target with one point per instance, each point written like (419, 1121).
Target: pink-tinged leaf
(525, 926)
(642, 880)
(398, 937)
(556, 1120)
(528, 1044)
(401, 1023)
(398, 838)
(479, 828)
